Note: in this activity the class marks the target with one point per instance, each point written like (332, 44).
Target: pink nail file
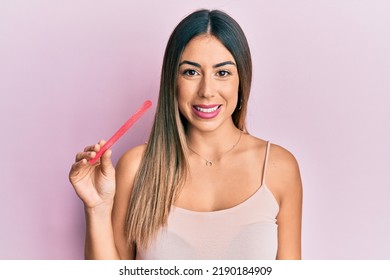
(129, 123)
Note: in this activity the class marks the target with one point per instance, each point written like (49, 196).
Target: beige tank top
(245, 231)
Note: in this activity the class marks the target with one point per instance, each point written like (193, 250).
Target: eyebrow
(214, 66)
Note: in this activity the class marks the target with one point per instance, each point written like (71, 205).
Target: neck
(211, 144)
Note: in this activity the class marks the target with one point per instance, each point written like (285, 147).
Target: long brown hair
(164, 166)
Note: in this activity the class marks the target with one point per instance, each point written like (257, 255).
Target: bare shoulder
(128, 164)
(279, 157)
(283, 175)
(253, 144)
(282, 160)
(284, 181)
(126, 170)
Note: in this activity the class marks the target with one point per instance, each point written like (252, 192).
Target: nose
(206, 89)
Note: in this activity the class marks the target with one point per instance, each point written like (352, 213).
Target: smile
(204, 111)
(207, 110)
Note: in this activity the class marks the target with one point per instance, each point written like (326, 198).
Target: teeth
(207, 110)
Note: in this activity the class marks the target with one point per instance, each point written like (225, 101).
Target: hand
(94, 184)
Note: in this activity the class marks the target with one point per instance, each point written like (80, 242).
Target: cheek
(187, 84)
(183, 97)
(230, 91)
(185, 91)
(181, 94)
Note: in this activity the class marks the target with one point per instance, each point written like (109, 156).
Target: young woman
(202, 187)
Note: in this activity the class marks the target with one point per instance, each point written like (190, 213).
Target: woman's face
(207, 84)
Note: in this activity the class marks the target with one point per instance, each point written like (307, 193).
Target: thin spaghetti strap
(265, 163)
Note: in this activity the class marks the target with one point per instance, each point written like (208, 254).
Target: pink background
(71, 72)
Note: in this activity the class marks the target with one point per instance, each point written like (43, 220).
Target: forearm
(99, 239)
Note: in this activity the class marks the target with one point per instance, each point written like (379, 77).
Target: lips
(206, 111)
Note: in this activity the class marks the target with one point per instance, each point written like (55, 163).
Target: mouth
(206, 111)
(207, 108)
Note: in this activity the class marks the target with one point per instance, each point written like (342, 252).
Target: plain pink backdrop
(71, 72)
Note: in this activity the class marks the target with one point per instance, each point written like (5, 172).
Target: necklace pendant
(209, 163)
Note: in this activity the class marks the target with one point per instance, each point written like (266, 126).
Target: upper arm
(285, 181)
(126, 170)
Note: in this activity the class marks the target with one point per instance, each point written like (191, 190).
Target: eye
(190, 72)
(223, 73)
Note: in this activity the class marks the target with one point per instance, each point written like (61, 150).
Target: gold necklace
(210, 162)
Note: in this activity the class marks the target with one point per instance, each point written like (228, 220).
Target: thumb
(106, 163)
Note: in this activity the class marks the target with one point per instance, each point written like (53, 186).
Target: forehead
(207, 49)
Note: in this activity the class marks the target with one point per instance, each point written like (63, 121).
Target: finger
(78, 165)
(75, 169)
(106, 163)
(95, 147)
(101, 143)
(85, 155)
(91, 148)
